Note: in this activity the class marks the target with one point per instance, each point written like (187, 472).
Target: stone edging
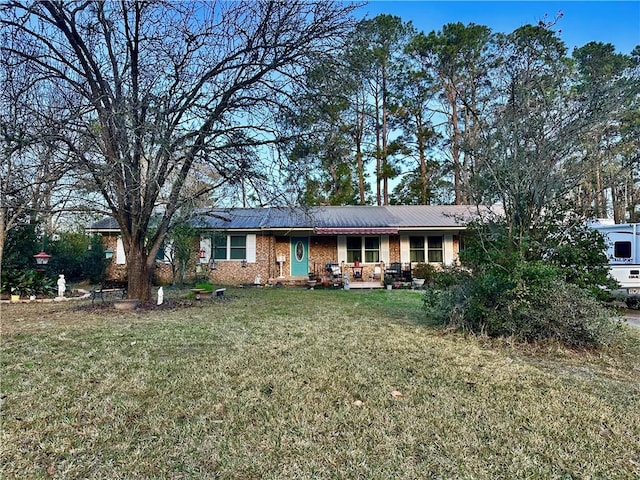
(84, 295)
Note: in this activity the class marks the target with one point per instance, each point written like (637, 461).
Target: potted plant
(202, 290)
(15, 295)
(422, 273)
(388, 282)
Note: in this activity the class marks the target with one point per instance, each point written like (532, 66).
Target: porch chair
(377, 273)
(334, 271)
(394, 271)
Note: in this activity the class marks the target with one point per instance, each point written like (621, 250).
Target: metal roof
(393, 216)
(327, 219)
(107, 223)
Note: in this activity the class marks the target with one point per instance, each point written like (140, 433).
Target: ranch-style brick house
(287, 246)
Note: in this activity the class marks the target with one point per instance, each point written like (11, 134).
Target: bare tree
(153, 91)
(30, 167)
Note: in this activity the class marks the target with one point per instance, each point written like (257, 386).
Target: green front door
(299, 256)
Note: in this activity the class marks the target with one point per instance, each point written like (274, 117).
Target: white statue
(160, 296)
(62, 285)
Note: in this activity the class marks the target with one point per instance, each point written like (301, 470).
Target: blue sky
(608, 22)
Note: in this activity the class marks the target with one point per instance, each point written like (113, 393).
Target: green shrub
(527, 289)
(20, 246)
(204, 286)
(578, 252)
(572, 316)
(10, 279)
(424, 271)
(32, 282)
(78, 257)
(450, 276)
(539, 307)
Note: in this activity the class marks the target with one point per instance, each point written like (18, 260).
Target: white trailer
(623, 251)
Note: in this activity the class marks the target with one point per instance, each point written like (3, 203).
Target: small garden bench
(110, 287)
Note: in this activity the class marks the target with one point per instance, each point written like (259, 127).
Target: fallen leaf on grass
(396, 394)
(605, 431)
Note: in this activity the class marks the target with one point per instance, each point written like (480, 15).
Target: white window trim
(448, 256)
(342, 248)
(405, 249)
(121, 257)
(168, 252)
(384, 249)
(205, 244)
(425, 252)
(250, 248)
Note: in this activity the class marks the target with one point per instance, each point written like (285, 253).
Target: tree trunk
(601, 199)
(378, 153)
(360, 167)
(139, 272)
(385, 166)
(359, 157)
(618, 199)
(633, 198)
(455, 145)
(3, 235)
(422, 147)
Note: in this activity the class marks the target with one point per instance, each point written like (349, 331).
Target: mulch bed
(167, 305)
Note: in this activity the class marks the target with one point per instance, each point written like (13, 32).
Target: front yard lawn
(284, 383)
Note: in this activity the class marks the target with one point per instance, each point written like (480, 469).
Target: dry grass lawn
(301, 384)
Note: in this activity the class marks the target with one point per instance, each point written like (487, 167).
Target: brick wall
(322, 250)
(231, 272)
(114, 271)
(163, 273)
(394, 248)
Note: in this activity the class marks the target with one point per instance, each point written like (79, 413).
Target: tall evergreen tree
(607, 84)
(458, 59)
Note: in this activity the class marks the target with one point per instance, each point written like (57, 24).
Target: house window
(434, 249)
(237, 247)
(371, 249)
(622, 249)
(354, 249)
(220, 247)
(416, 249)
(164, 252)
(230, 247)
(367, 248)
